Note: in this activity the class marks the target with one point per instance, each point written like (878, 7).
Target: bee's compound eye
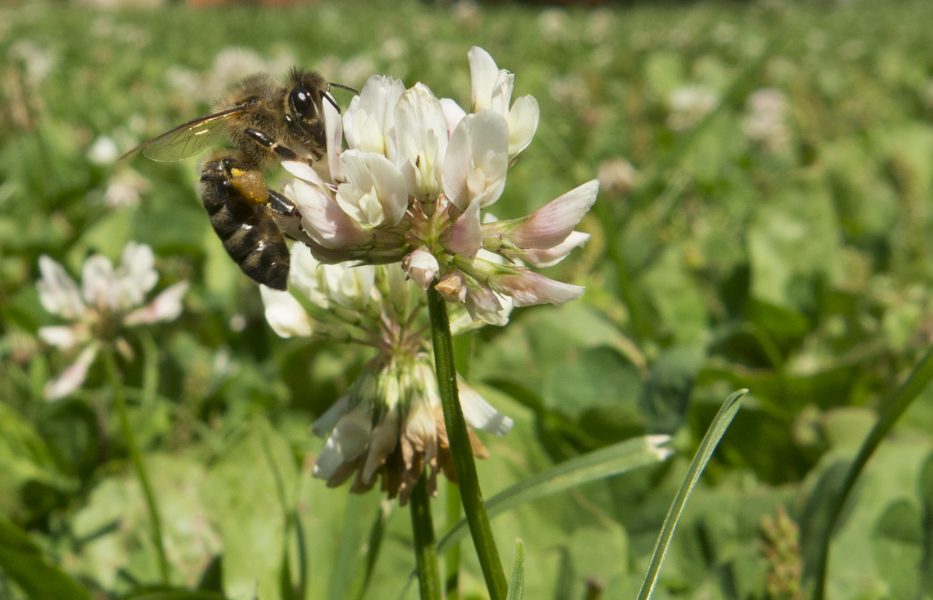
(303, 103)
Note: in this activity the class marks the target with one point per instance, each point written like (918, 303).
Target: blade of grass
(891, 411)
(717, 428)
(600, 464)
(136, 459)
(517, 580)
(376, 537)
(341, 577)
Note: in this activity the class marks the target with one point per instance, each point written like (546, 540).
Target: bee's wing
(189, 138)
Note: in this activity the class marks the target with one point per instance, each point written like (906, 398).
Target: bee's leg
(288, 217)
(251, 238)
(283, 151)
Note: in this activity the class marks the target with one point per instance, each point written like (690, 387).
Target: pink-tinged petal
(72, 377)
(465, 236)
(523, 122)
(65, 337)
(136, 275)
(99, 283)
(477, 160)
(375, 191)
(285, 314)
(548, 257)
(164, 307)
(479, 414)
(58, 292)
(333, 136)
(422, 267)
(527, 288)
(303, 171)
(551, 224)
(323, 219)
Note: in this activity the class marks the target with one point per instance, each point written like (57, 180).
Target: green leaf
(248, 493)
(898, 547)
(891, 410)
(178, 595)
(111, 532)
(600, 464)
(926, 496)
(598, 376)
(704, 453)
(667, 392)
(22, 561)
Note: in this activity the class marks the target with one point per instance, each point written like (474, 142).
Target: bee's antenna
(331, 101)
(341, 86)
(326, 95)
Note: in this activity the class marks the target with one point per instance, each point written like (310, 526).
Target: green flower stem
(429, 579)
(461, 451)
(136, 459)
(452, 555)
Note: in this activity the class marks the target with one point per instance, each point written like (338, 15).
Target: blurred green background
(764, 221)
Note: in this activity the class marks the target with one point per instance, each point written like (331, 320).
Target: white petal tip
(656, 444)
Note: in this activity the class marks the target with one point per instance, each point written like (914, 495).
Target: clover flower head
(108, 300)
(765, 120)
(412, 184)
(389, 426)
(688, 106)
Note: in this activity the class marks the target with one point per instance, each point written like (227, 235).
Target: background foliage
(799, 270)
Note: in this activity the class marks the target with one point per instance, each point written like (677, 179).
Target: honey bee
(262, 122)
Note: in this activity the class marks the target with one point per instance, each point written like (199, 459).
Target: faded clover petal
(422, 267)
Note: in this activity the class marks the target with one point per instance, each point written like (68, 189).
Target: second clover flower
(412, 183)
(388, 427)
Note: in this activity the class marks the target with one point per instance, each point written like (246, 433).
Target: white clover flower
(108, 300)
(765, 121)
(103, 151)
(412, 182)
(389, 426)
(125, 189)
(617, 176)
(688, 105)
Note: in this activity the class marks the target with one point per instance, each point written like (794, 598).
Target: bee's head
(304, 112)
